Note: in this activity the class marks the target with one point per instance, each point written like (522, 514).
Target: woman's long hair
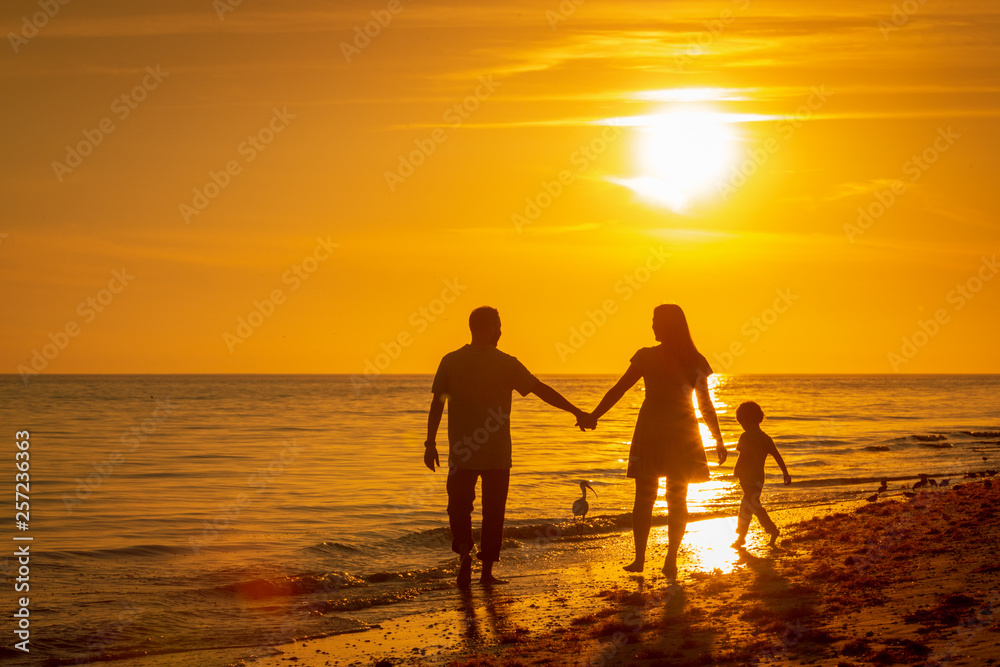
(671, 328)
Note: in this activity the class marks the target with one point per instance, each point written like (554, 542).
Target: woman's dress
(667, 441)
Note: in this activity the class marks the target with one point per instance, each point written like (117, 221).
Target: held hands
(431, 455)
(586, 420)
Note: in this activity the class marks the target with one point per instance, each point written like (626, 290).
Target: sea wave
(293, 585)
(136, 551)
(922, 437)
(332, 547)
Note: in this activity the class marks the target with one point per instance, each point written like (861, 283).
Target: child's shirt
(754, 446)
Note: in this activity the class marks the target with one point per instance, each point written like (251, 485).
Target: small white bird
(580, 505)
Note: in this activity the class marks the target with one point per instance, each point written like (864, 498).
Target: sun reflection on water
(715, 384)
(706, 545)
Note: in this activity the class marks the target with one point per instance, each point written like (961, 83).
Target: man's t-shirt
(754, 446)
(477, 381)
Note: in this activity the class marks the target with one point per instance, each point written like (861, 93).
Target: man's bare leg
(487, 578)
(465, 570)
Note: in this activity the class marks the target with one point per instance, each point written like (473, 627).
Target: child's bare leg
(743, 522)
(642, 520)
(765, 521)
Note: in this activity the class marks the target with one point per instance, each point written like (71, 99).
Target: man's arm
(433, 422)
(556, 400)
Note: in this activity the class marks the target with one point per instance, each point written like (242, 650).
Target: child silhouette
(754, 446)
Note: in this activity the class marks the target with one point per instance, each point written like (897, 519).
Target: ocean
(172, 514)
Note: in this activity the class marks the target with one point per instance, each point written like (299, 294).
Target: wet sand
(898, 581)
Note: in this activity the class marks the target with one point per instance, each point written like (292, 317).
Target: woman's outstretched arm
(708, 414)
(615, 394)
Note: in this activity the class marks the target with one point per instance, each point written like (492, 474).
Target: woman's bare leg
(677, 516)
(642, 519)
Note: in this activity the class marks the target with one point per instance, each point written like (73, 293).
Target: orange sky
(830, 112)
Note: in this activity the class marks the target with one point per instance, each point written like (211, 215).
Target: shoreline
(908, 581)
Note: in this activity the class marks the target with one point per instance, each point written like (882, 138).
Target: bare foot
(738, 544)
(635, 566)
(774, 538)
(465, 572)
(490, 580)
(670, 570)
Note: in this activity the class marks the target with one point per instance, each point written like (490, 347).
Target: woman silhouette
(667, 441)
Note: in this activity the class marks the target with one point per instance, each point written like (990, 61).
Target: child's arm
(781, 463)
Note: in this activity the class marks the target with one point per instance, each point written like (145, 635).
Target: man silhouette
(477, 380)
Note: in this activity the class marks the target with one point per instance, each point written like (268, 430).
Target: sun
(682, 155)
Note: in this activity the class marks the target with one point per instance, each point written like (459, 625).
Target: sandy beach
(903, 580)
